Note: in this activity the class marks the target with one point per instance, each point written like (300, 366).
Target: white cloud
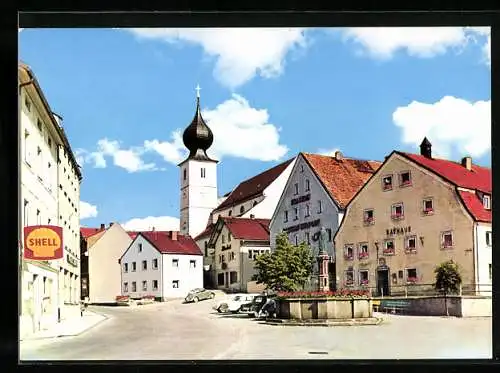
(424, 42)
(328, 152)
(129, 159)
(450, 124)
(241, 53)
(239, 131)
(87, 210)
(160, 223)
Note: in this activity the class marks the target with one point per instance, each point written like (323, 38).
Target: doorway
(383, 282)
(332, 276)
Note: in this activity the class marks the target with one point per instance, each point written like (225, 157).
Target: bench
(395, 305)
(376, 304)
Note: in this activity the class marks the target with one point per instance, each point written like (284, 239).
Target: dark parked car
(262, 305)
(199, 294)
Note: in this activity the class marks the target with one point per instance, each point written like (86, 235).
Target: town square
(185, 198)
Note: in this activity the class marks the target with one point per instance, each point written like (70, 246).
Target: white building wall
(148, 254)
(329, 216)
(198, 195)
(188, 277)
(484, 257)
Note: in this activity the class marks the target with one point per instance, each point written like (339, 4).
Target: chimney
(338, 155)
(426, 148)
(252, 216)
(467, 163)
(173, 235)
(153, 229)
(102, 227)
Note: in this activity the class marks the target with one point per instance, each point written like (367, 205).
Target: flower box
(388, 251)
(411, 280)
(364, 283)
(428, 211)
(410, 250)
(405, 183)
(397, 216)
(369, 220)
(363, 255)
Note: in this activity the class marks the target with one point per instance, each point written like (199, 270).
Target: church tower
(198, 176)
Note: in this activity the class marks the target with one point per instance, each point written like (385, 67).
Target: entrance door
(383, 282)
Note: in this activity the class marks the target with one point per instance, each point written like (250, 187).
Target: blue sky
(267, 94)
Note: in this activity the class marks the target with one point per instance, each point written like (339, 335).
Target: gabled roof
(206, 233)
(479, 178)
(253, 186)
(475, 206)
(342, 178)
(184, 245)
(86, 232)
(247, 228)
(133, 234)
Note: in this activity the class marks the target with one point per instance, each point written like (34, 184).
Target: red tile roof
(474, 205)
(206, 233)
(184, 245)
(87, 232)
(247, 228)
(133, 234)
(479, 178)
(342, 178)
(253, 186)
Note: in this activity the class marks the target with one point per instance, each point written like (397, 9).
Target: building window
(144, 265)
(27, 103)
(223, 238)
(368, 217)
(411, 275)
(296, 186)
(233, 277)
(488, 238)
(175, 284)
(397, 211)
(27, 148)
(296, 213)
(404, 179)
(38, 217)
(144, 285)
(49, 140)
(203, 173)
(363, 250)
(389, 248)
(308, 186)
(139, 247)
(447, 240)
(308, 211)
(329, 232)
(411, 244)
(184, 173)
(192, 264)
(230, 213)
(307, 238)
(155, 263)
(175, 262)
(301, 168)
(428, 206)
(242, 210)
(387, 182)
(125, 287)
(125, 267)
(349, 252)
(363, 277)
(285, 216)
(134, 267)
(349, 277)
(155, 284)
(39, 124)
(487, 202)
(489, 269)
(220, 279)
(296, 240)
(134, 287)
(250, 252)
(232, 255)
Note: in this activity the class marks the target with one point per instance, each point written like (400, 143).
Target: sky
(126, 95)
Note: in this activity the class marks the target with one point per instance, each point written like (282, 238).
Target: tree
(448, 279)
(288, 268)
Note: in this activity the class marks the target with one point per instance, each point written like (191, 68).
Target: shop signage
(295, 228)
(300, 199)
(43, 242)
(71, 260)
(398, 230)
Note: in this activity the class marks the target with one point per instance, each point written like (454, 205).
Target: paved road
(176, 331)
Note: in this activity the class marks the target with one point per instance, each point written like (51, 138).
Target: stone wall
(321, 308)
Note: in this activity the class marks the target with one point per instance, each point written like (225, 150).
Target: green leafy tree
(288, 268)
(448, 279)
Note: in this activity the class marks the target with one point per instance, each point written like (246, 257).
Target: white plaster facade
(173, 276)
(483, 251)
(104, 269)
(198, 180)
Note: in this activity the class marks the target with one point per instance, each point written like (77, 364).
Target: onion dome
(198, 137)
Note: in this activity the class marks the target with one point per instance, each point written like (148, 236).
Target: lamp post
(322, 262)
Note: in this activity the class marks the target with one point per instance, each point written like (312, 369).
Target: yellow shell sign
(43, 242)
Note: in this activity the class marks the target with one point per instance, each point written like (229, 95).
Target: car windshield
(195, 291)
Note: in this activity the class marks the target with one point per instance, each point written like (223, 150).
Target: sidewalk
(69, 327)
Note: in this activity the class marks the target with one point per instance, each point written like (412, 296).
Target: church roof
(342, 178)
(254, 186)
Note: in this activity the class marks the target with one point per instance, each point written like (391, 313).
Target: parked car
(233, 303)
(262, 305)
(198, 294)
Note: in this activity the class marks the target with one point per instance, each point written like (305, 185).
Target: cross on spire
(198, 91)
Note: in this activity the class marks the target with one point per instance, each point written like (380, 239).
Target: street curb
(350, 322)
